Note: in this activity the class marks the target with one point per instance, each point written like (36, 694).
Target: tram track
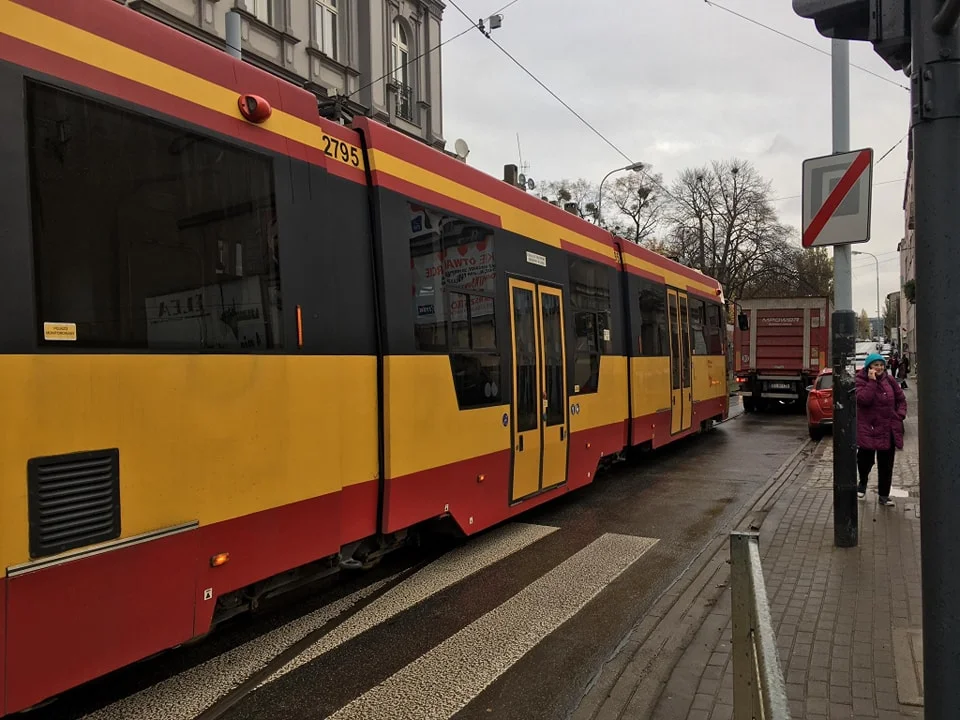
(230, 700)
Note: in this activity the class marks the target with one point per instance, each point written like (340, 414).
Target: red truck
(780, 345)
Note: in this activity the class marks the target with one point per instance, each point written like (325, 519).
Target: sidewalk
(847, 620)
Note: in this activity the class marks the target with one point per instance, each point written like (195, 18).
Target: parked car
(820, 404)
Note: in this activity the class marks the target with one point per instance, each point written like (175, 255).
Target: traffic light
(885, 23)
(840, 19)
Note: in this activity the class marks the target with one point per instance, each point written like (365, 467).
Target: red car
(820, 404)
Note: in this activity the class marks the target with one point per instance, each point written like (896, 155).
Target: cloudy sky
(675, 83)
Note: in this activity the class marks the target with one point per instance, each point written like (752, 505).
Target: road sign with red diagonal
(837, 194)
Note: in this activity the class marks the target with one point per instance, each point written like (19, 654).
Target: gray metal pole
(936, 152)
(233, 34)
(878, 292)
(877, 264)
(840, 85)
(844, 323)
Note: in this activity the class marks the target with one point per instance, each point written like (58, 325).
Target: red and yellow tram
(237, 352)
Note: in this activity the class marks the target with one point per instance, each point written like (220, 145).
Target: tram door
(681, 402)
(539, 388)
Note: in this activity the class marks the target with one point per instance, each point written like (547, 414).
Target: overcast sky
(675, 83)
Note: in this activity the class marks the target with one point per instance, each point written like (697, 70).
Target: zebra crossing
(439, 682)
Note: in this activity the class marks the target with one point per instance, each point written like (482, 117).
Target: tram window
(653, 320)
(685, 338)
(553, 370)
(698, 334)
(454, 286)
(147, 235)
(674, 342)
(525, 330)
(426, 267)
(476, 378)
(716, 328)
(591, 303)
(458, 308)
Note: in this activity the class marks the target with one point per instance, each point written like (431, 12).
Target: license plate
(781, 386)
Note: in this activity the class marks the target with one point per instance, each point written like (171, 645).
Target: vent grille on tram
(74, 501)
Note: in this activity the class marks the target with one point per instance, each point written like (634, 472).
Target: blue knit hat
(872, 358)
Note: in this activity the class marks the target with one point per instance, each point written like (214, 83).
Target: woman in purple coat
(881, 408)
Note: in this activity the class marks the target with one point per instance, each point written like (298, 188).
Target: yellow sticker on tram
(60, 331)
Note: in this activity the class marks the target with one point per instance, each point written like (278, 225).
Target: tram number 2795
(339, 150)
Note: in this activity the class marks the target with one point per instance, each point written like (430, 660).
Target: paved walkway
(847, 620)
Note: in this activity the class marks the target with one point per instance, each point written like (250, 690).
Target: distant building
(360, 57)
(876, 327)
(908, 321)
(893, 299)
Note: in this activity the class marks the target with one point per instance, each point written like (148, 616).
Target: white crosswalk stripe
(444, 680)
(184, 696)
(439, 575)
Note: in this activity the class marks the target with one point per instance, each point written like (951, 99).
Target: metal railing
(405, 102)
(758, 687)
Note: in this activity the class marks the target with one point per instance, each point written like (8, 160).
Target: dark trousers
(884, 468)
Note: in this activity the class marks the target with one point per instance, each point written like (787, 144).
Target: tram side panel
(177, 267)
(446, 447)
(484, 337)
(676, 354)
(650, 361)
(599, 396)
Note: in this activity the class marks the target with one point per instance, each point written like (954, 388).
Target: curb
(646, 656)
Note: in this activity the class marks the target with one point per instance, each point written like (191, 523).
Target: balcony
(405, 106)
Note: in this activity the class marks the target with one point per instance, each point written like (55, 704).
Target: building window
(149, 236)
(590, 300)
(454, 288)
(400, 70)
(325, 27)
(653, 340)
(263, 10)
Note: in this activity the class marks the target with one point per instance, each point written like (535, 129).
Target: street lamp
(858, 252)
(633, 167)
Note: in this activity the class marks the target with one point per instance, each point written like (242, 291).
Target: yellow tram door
(526, 390)
(553, 361)
(686, 366)
(681, 394)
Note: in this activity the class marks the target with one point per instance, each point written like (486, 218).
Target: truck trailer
(780, 346)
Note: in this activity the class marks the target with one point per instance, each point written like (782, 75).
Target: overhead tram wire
(609, 142)
(895, 145)
(801, 42)
(428, 51)
(541, 84)
(876, 184)
(567, 106)
(476, 26)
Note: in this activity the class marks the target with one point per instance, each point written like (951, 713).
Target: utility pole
(921, 37)
(844, 324)
(877, 262)
(935, 118)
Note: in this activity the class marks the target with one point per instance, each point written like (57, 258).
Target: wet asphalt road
(511, 624)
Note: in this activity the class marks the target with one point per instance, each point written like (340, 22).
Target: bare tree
(634, 206)
(581, 192)
(722, 222)
(814, 272)
(863, 326)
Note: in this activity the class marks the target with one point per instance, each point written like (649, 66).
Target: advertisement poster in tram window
(227, 315)
(468, 264)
